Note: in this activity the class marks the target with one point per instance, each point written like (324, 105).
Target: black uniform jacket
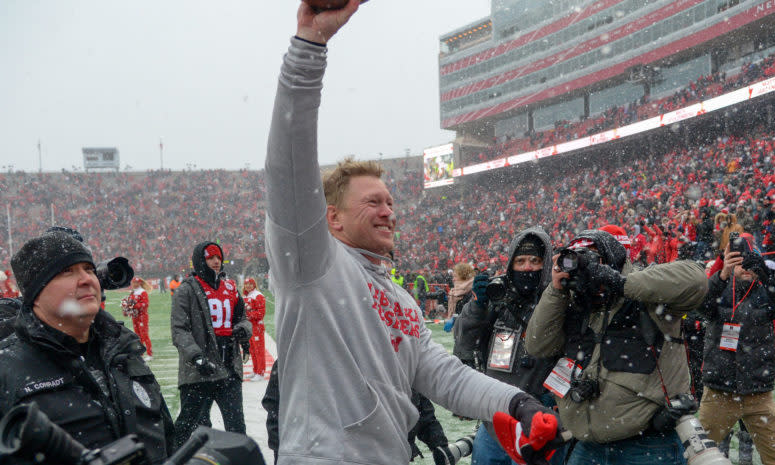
(97, 392)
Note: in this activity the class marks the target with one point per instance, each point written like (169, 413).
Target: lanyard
(734, 289)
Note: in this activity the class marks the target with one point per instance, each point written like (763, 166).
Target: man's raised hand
(320, 26)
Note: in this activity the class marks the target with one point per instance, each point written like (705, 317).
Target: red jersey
(222, 302)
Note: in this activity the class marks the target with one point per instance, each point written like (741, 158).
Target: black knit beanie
(42, 258)
(531, 245)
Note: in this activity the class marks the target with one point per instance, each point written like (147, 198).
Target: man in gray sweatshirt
(351, 343)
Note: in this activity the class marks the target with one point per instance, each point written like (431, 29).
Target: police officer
(83, 369)
(618, 332)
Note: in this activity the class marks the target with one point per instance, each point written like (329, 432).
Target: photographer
(506, 306)
(739, 361)
(82, 368)
(619, 333)
(208, 323)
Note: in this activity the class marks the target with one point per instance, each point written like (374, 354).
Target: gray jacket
(193, 335)
(351, 343)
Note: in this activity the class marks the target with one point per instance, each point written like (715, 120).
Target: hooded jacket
(45, 366)
(192, 328)
(501, 318)
(630, 393)
(351, 344)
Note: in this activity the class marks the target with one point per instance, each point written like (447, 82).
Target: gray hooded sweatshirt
(351, 343)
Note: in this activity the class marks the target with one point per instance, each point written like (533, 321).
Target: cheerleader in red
(136, 306)
(255, 304)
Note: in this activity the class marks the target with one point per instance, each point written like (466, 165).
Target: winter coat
(630, 393)
(526, 372)
(97, 397)
(338, 310)
(750, 369)
(192, 329)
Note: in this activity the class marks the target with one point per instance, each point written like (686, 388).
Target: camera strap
(734, 292)
(688, 361)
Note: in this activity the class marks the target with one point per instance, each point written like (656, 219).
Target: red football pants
(257, 349)
(140, 324)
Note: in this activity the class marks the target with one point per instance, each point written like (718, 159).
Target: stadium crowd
(150, 217)
(703, 88)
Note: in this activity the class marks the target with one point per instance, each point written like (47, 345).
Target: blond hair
(336, 181)
(464, 271)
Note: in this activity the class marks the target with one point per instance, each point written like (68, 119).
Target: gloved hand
(667, 417)
(245, 355)
(204, 366)
(240, 333)
(611, 279)
(531, 433)
(755, 263)
(449, 324)
(480, 288)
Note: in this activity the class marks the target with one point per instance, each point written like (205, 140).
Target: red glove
(533, 443)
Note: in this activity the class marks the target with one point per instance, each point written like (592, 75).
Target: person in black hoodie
(496, 325)
(83, 369)
(208, 325)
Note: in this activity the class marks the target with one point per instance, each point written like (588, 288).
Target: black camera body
(499, 290)
(575, 261)
(27, 433)
(737, 244)
(582, 389)
(115, 273)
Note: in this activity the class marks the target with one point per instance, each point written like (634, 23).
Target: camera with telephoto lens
(582, 389)
(574, 261)
(454, 451)
(115, 273)
(27, 434)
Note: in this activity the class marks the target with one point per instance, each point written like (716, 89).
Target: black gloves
(204, 366)
(240, 333)
(666, 418)
(599, 274)
(480, 288)
(755, 263)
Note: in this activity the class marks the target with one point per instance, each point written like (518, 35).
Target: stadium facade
(532, 65)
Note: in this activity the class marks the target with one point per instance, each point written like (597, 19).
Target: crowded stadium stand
(546, 72)
(668, 177)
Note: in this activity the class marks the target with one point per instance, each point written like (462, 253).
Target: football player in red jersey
(208, 324)
(255, 304)
(136, 306)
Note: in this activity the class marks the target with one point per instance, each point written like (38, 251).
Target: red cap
(619, 233)
(137, 280)
(251, 281)
(213, 250)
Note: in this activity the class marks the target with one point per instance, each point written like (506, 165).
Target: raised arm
(296, 225)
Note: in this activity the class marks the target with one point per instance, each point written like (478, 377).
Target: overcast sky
(201, 75)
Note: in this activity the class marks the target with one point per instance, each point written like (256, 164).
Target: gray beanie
(40, 259)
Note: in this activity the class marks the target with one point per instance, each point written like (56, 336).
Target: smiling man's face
(365, 220)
